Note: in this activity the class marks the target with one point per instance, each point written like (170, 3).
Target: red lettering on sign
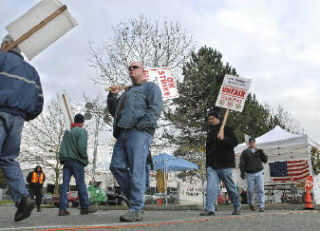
(170, 79)
(171, 85)
(233, 92)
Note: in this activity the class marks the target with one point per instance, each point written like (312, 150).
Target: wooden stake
(67, 107)
(36, 28)
(224, 120)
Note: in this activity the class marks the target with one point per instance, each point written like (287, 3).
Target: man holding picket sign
(221, 140)
(21, 100)
(135, 115)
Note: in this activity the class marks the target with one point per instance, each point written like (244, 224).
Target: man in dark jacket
(35, 180)
(220, 163)
(20, 99)
(135, 115)
(74, 157)
(251, 165)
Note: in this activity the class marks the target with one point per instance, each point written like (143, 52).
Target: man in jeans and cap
(135, 115)
(21, 100)
(74, 157)
(220, 161)
(251, 164)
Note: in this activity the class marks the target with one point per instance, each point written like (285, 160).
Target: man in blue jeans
(220, 163)
(251, 165)
(74, 157)
(135, 115)
(21, 100)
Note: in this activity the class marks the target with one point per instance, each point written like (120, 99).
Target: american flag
(289, 170)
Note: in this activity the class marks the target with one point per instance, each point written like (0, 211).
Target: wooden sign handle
(224, 120)
(120, 88)
(67, 107)
(36, 28)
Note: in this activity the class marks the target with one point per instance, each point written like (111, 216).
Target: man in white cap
(21, 100)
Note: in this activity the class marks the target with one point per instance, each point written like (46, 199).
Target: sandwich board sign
(41, 26)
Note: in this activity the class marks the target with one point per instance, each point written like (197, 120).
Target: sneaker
(25, 208)
(88, 210)
(38, 209)
(64, 212)
(236, 212)
(131, 216)
(252, 207)
(207, 213)
(261, 209)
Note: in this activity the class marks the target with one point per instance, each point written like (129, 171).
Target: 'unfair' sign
(233, 92)
(164, 78)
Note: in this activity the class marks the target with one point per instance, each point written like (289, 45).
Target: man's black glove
(243, 175)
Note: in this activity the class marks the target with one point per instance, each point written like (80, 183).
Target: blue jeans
(128, 165)
(213, 184)
(73, 168)
(255, 180)
(10, 138)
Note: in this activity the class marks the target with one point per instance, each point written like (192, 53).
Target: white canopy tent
(280, 145)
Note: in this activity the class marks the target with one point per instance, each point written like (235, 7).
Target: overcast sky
(276, 43)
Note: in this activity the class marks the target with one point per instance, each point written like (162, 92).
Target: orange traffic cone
(308, 201)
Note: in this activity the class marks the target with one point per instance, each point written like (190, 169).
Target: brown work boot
(236, 211)
(64, 212)
(131, 216)
(252, 207)
(207, 213)
(88, 210)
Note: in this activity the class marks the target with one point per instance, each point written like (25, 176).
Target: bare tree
(41, 139)
(279, 116)
(139, 39)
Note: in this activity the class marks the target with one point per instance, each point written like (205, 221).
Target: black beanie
(214, 113)
(252, 139)
(78, 119)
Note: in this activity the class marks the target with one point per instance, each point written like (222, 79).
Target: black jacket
(252, 162)
(219, 153)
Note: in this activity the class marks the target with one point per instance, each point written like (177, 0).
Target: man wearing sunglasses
(135, 115)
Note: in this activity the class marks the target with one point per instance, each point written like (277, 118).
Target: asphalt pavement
(165, 220)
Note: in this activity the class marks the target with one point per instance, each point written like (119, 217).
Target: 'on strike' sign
(164, 78)
(233, 92)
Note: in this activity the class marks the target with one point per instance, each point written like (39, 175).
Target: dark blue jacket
(138, 107)
(20, 87)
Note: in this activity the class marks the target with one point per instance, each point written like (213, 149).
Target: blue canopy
(167, 162)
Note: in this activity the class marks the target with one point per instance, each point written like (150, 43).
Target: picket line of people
(135, 115)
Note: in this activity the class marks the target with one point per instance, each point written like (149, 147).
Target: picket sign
(163, 77)
(232, 95)
(39, 27)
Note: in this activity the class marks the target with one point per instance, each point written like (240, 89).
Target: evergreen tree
(203, 76)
